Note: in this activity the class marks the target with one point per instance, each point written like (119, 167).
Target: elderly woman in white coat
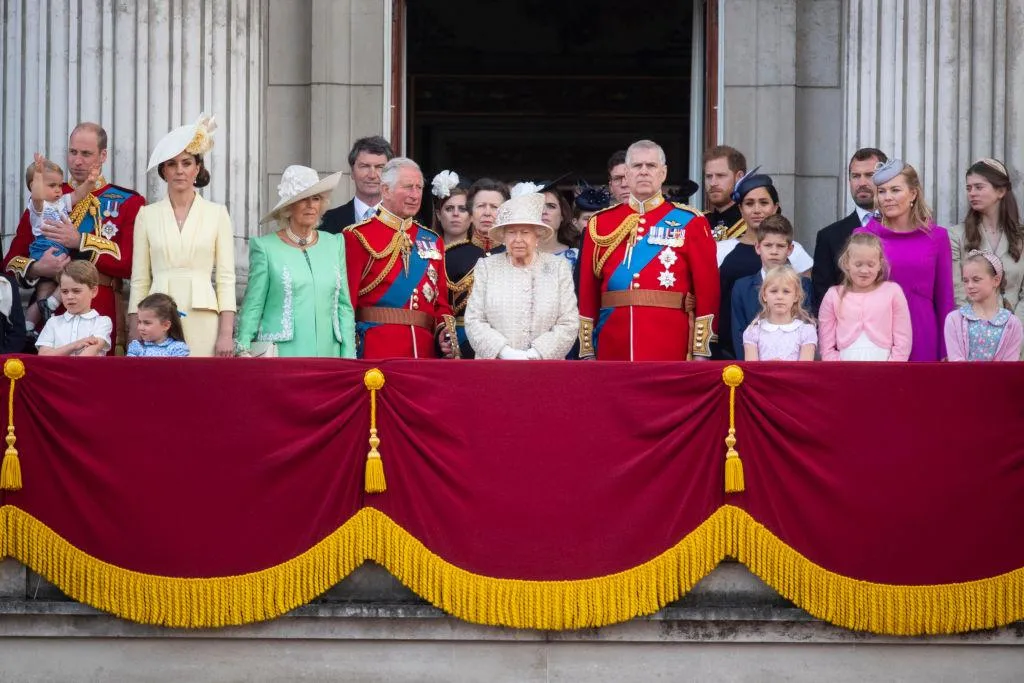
(523, 305)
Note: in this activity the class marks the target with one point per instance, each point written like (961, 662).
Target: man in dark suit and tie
(366, 160)
(831, 240)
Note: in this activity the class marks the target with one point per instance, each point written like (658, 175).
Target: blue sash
(643, 253)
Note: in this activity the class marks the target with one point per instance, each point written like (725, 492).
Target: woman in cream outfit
(184, 244)
(523, 304)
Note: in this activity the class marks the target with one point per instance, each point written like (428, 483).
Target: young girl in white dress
(783, 330)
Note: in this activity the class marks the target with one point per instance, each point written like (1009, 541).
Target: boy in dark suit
(774, 246)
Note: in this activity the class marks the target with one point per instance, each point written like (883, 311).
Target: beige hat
(526, 209)
(299, 182)
(195, 138)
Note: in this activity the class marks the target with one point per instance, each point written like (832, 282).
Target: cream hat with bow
(526, 209)
(195, 138)
(297, 183)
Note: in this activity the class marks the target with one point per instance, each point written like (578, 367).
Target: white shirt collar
(88, 315)
(863, 215)
(361, 208)
(785, 327)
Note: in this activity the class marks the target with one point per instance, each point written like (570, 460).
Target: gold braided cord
(398, 245)
(89, 205)
(609, 243)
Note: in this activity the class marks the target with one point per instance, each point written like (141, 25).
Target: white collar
(88, 315)
(787, 327)
(863, 215)
(362, 207)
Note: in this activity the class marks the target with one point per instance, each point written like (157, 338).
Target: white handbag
(260, 349)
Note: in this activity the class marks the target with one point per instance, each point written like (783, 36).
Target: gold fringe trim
(181, 602)
(550, 605)
(873, 607)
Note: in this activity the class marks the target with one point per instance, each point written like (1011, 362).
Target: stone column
(347, 92)
(938, 84)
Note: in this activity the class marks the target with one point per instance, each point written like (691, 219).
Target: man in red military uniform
(101, 230)
(640, 259)
(396, 274)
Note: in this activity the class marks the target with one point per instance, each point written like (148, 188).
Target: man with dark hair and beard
(831, 240)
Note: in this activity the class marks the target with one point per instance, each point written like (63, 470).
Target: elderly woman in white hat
(183, 244)
(523, 304)
(297, 302)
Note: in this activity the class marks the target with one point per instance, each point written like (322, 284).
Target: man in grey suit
(831, 240)
(366, 159)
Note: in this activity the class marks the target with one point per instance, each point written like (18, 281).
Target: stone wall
(731, 627)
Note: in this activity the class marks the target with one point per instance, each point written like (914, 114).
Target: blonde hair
(862, 239)
(785, 272)
(30, 172)
(920, 212)
(82, 272)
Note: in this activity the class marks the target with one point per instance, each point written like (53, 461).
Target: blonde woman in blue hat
(184, 244)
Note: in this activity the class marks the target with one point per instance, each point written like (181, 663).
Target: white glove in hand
(532, 354)
(508, 353)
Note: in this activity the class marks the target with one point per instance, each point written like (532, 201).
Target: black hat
(687, 189)
(590, 198)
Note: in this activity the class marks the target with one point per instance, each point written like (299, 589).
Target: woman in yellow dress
(184, 245)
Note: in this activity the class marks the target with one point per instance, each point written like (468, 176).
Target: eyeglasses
(618, 179)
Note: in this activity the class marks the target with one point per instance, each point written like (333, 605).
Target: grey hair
(283, 217)
(645, 145)
(389, 176)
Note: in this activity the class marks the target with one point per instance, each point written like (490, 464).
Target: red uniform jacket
(639, 261)
(399, 291)
(106, 219)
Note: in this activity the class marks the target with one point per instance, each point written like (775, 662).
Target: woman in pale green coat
(297, 302)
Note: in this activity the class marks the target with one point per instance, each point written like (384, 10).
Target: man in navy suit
(831, 240)
(774, 245)
(366, 160)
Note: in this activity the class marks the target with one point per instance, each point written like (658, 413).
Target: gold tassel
(732, 375)
(374, 481)
(10, 471)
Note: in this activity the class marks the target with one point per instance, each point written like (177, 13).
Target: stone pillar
(937, 84)
(347, 95)
(758, 65)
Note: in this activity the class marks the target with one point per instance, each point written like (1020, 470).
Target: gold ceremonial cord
(399, 243)
(611, 241)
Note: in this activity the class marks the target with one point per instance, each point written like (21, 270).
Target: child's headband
(996, 263)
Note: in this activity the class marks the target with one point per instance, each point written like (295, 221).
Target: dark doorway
(533, 89)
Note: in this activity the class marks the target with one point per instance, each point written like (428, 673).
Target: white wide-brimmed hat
(299, 182)
(526, 209)
(195, 138)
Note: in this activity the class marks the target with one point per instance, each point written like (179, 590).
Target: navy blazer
(827, 247)
(339, 218)
(746, 304)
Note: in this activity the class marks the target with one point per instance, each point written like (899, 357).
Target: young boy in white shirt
(80, 331)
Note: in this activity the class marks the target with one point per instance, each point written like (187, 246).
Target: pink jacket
(957, 342)
(882, 314)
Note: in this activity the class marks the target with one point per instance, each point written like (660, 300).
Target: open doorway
(532, 90)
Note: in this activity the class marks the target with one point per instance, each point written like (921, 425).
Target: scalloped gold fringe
(555, 605)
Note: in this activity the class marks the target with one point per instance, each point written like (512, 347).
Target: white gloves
(508, 353)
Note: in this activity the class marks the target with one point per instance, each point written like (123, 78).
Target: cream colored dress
(1013, 271)
(522, 307)
(195, 265)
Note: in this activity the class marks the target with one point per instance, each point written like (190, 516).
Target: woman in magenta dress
(919, 255)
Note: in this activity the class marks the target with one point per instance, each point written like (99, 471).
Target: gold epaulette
(687, 207)
(349, 228)
(99, 246)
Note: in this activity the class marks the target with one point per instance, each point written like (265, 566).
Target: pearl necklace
(303, 242)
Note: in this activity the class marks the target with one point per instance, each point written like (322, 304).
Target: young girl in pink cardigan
(983, 329)
(867, 317)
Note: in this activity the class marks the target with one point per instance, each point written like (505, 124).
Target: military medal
(429, 292)
(666, 279)
(432, 274)
(668, 258)
(108, 230)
